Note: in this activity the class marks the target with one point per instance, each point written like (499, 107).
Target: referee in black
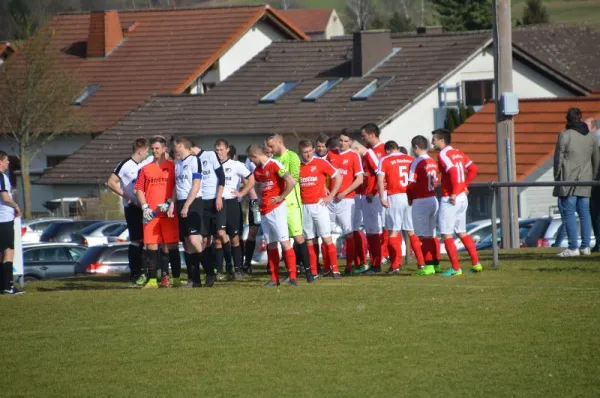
(9, 209)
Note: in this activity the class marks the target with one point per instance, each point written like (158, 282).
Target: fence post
(494, 229)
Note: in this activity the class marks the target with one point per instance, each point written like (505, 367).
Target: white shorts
(398, 217)
(357, 216)
(424, 215)
(315, 221)
(453, 217)
(373, 215)
(274, 225)
(341, 212)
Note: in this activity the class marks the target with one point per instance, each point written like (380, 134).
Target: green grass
(529, 328)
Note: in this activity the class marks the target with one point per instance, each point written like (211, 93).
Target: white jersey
(7, 213)
(235, 172)
(209, 162)
(186, 171)
(250, 165)
(128, 171)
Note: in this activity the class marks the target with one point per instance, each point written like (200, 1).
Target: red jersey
(422, 178)
(157, 182)
(395, 167)
(313, 176)
(370, 161)
(452, 164)
(269, 178)
(349, 166)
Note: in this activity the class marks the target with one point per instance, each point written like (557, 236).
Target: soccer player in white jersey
(314, 172)
(213, 182)
(9, 209)
(235, 174)
(122, 182)
(188, 177)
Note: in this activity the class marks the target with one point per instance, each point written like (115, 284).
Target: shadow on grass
(70, 286)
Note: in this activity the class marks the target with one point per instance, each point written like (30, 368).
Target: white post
(18, 266)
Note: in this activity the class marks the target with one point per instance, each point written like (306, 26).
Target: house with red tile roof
(536, 131)
(122, 58)
(318, 23)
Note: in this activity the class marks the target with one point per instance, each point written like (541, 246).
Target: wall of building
(418, 119)
(537, 201)
(335, 27)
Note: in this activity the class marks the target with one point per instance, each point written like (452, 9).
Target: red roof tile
(536, 130)
(165, 52)
(310, 20)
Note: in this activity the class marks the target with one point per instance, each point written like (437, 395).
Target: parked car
(50, 260)
(524, 228)
(111, 258)
(31, 230)
(120, 235)
(543, 233)
(62, 231)
(97, 234)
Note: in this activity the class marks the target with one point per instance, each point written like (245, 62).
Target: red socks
(290, 261)
(360, 249)
(350, 253)
(452, 253)
(385, 243)
(374, 242)
(312, 253)
(273, 256)
(332, 258)
(437, 254)
(326, 265)
(470, 246)
(415, 243)
(428, 248)
(395, 250)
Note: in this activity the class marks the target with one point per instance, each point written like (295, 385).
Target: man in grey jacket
(576, 158)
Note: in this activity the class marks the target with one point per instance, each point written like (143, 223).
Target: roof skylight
(371, 88)
(86, 93)
(279, 91)
(321, 89)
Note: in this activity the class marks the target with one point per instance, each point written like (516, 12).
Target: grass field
(529, 328)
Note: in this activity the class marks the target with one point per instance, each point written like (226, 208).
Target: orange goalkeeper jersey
(157, 182)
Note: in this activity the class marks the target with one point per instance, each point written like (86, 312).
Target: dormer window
(279, 91)
(320, 90)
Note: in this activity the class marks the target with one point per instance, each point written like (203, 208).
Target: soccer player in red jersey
(372, 209)
(422, 181)
(392, 182)
(341, 210)
(273, 184)
(155, 190)
(458, 171)
(314, 172)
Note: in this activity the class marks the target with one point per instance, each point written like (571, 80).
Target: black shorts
(233, 217)
(209, 217)
(192, 224)
(7, 235)
(134, 217)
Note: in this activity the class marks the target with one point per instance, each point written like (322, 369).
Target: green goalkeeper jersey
(291, 161)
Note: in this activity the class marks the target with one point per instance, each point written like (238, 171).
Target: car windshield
(91, 228)
(538, 230)
(118, 231)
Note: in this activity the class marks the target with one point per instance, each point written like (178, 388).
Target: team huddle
(194, 196)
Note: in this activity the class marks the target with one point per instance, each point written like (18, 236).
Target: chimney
(422, 30)
(105, 33)
(368, 49)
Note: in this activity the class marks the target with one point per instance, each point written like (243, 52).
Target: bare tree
(36, 98)
(362, 13)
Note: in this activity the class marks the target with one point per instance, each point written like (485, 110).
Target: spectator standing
(595, 200)
(576, 158)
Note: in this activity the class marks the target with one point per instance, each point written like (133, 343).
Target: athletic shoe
(426, 271)
(271, 284)
(190, 285)
(336, 275)
(438, 269)
(569, 253)
(326, 273)
(239, 275)
(373, 271)
(348, 272)
(151, 284)
(452, 272)
(230, 276)
(141, 281)
(585, 251)
(286, 279)
(476, 268)
(393, 271)
(13, 291)
(220, 277)
(385, 261)
(210, 281)
(292, 283)
(164, 281)
(360, 270)
(177, 282)
(310, 278)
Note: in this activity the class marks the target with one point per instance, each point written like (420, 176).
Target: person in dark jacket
(595, 199)
(576, 158)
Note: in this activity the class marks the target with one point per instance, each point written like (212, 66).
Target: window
(478, 92)
(371, 88)
(86, 93)
(53, 254)
(30, 256)
(279, 91)
(118, 256)
(52, 161)
(76, 253)
(321, 89)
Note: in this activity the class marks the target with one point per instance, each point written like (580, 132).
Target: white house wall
(335, 27)
(418, 119)
(537, 201)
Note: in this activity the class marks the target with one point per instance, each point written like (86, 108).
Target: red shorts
(161, 230)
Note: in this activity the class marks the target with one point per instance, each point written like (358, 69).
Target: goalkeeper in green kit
(291, 161)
